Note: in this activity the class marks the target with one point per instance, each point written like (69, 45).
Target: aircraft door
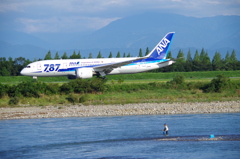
(64, 65)
(39, 66)
(143, 64)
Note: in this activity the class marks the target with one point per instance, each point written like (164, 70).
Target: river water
(121, 137)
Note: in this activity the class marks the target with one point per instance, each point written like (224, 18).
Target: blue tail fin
(160, 51)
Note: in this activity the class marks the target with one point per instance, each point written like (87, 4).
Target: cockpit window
(28, 66)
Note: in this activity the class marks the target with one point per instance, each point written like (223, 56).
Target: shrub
(52, 89)
(112, 81)
(235, 84)
(72, 99)
(30, 89)
(217, 84)
(177, 82)
(13, 101)
(84, 98)
(120, 80)
(84, 86)
(3, 90)
(178, 79)
(97, 85)
(66, 88)
(13, 91)
(79, 85)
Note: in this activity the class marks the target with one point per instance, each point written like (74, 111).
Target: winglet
(160, 51)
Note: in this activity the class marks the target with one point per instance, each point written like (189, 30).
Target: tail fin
(160, 51)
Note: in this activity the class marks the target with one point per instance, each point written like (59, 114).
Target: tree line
(78, 55)
(202, 62)
(199, 62)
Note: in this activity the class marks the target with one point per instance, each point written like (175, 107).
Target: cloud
(66, 24)
(82, 15)
(59, 7)
(98, 6)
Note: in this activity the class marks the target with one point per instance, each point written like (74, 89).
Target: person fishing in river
(165, 129)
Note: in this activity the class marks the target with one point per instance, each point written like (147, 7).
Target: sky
(70, 16)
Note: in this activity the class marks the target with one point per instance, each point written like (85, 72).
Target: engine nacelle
(84, 73)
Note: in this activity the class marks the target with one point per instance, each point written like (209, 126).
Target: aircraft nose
(23, 72)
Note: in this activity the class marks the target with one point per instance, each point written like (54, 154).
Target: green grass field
(170, 75)
(131, 78)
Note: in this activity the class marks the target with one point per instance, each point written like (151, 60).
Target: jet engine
(84, 73)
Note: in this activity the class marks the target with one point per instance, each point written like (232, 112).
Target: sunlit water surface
(120, 137)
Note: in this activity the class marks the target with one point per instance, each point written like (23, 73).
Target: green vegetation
(131, 78)
(97, 91)
(83, 86)
(218, 84)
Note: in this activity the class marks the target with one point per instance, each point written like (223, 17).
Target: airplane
(100, 67)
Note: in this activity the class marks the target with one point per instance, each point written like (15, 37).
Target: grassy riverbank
(188, 88)
(141, 96)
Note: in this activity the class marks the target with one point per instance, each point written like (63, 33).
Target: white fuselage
(67, 67)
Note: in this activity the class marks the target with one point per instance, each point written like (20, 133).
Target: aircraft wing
(109, 67)
(172, 59)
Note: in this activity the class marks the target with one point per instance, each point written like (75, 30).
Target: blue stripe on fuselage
(70, 69)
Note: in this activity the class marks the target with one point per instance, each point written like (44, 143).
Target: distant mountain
(15, 44)
(18, 50)
(129, 34)
(145, 30)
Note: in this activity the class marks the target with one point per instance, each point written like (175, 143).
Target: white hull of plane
(86, 68)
